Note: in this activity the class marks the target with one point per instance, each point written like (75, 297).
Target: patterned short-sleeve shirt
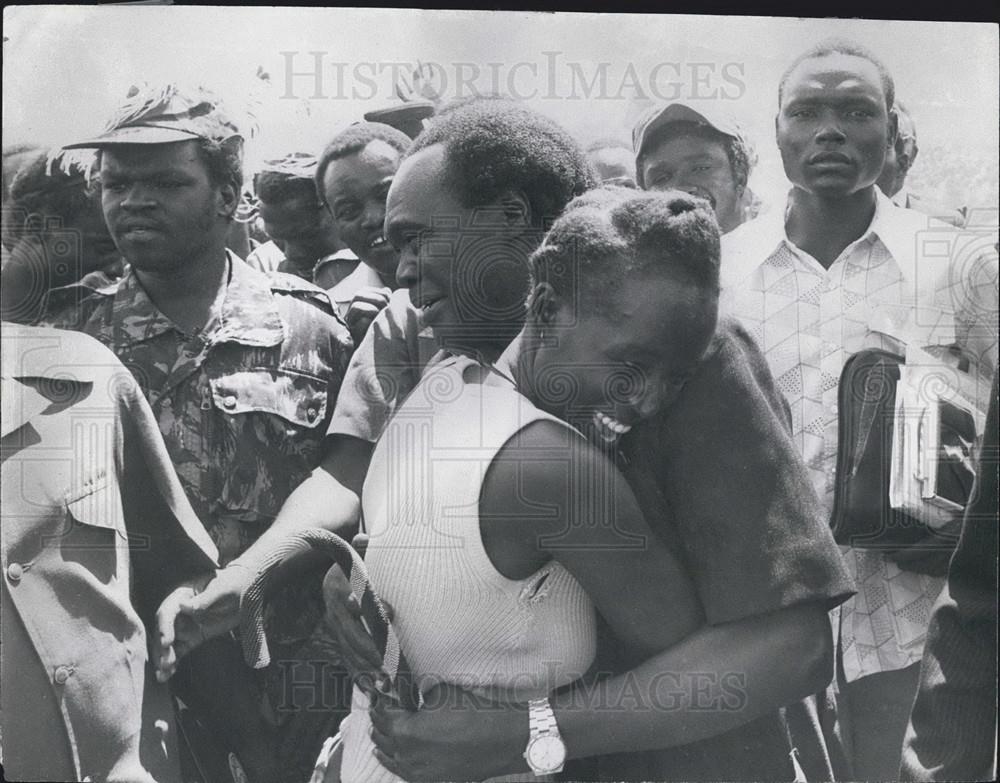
(906, 280)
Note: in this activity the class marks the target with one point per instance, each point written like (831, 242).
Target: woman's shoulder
(464, 395)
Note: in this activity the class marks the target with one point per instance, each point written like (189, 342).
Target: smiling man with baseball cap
(701, 151)
(241, 369)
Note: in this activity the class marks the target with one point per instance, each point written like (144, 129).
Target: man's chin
(488, 339)
(151, 263)
(834, 184)
(384, 263)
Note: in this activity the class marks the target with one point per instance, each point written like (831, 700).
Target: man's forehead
(685, 146)
(355, 167)
(418, 175)
(612, 154)
(836, 72)
(149, 156)
(377, 150)
(289, 224)
(289, 209)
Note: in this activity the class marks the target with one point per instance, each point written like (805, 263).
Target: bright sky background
(65, 68)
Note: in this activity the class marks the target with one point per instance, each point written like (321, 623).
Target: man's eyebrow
(405, 226)
(145, 173)
(700, 155)
(811, 98)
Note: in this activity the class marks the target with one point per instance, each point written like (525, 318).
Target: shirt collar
(363, 275)
(894, 226)
(249, 313)
(749, 246)
(135, 314)
(340, 255)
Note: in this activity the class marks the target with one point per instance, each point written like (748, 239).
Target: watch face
(546, 754)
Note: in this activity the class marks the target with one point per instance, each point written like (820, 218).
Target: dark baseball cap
(162, 115)
(407, 117)
(301, 165)
(657, 117)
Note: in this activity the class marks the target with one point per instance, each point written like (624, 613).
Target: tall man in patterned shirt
(241, 370)
(840, 270)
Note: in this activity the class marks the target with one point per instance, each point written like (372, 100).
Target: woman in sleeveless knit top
(498, 526)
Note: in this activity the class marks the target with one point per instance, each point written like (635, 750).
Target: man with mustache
(843, 269)
(241, 369)
(700, 151)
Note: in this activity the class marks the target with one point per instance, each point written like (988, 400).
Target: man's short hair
(739, 150)
(41, 187)
(610, 233)
(843, 46)
(493, 145)
(224, 161)
(352, 140)
(608, 143)
(277, 187)
(14, 157)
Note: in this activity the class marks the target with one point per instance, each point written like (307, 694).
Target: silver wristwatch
(546, 751)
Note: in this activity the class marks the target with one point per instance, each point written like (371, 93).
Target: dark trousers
(274, 720)
(873, 712)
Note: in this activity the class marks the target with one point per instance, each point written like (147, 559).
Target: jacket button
(15, 571)
(62, 674)
(229, 401)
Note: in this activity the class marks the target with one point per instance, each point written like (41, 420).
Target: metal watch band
(541, 718)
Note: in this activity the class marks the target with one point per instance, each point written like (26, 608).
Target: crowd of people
(576, 405)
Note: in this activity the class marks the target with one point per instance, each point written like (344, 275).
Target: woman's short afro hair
(493, 145)
(612, 233)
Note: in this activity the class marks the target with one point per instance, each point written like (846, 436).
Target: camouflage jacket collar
(249, 312)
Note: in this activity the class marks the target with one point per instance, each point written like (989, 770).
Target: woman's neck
(518, 361)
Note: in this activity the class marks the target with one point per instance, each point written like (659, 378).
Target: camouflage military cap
(165, 114)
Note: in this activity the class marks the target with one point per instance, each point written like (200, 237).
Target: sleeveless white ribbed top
(458, 619)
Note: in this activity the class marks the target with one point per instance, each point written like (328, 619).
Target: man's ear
(741, 186)
(543, 304)
(893, 126)
(516, 208)
(903, 162)
(229, 199)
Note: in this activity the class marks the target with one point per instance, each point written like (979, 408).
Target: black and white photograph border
(292, 79)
